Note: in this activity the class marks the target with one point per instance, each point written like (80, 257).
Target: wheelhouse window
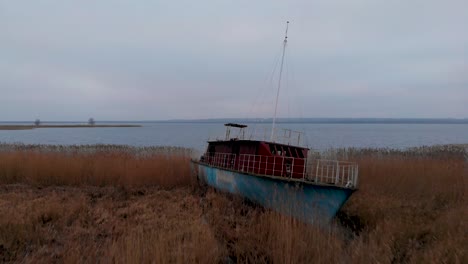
(276, 150)
(297, 153)
(211, 150)
(287, 152)
(279, 151)
(300, 153)
(272, 149)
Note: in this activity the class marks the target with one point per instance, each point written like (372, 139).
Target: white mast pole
(279, 82)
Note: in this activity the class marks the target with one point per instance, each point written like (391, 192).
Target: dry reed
(411, 208)
(95, 165)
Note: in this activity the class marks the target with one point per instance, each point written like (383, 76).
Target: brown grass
(99, 167)
(410, 208)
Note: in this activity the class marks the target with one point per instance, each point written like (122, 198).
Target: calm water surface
(195, 135)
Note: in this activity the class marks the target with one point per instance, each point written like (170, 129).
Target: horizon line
(257, 120)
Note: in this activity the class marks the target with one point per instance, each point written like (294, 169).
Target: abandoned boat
(277, 173)
(278, 176)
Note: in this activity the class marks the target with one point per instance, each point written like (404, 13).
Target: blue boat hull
(307, 202)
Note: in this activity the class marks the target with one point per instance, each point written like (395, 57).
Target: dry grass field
(115, 204)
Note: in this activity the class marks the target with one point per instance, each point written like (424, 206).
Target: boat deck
(341, 174)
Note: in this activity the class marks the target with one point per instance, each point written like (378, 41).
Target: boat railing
(272, 165)
(281, 135)
(341, 173)
(331, 172)
(222, 160)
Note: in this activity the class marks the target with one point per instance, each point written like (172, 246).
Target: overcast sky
(152, 60)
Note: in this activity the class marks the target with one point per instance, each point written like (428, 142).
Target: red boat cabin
(255, 156)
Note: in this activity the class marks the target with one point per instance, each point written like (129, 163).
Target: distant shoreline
(28, 127)
(463, 121)
(409, 121)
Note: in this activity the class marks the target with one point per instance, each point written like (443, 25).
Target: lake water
(195, 135)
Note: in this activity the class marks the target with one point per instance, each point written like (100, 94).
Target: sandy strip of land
(25, 127)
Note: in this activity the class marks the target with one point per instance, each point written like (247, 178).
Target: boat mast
(279, 82)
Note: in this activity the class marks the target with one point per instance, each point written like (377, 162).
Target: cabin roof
(252, 141)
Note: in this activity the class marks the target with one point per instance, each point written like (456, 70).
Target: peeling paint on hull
(309, 203)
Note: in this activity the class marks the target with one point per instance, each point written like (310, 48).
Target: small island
(26, 127)
(38, 124)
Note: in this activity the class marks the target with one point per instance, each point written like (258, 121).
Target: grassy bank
(140, 205)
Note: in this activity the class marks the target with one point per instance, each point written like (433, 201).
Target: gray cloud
(155, 60)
